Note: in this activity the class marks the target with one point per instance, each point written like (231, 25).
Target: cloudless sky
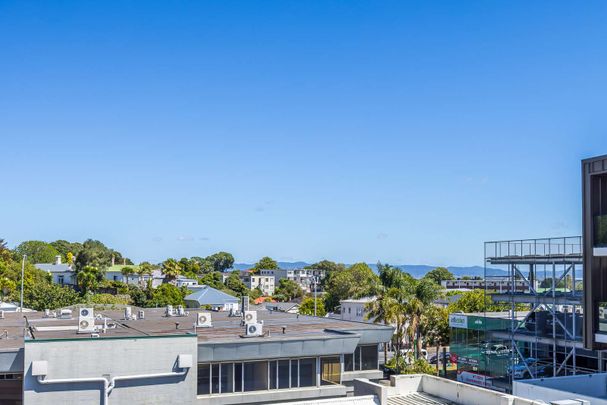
(406, 132)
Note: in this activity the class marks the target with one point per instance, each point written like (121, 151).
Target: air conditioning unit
(250, 317)
(86, 320)
(254, 329)
(203, 320)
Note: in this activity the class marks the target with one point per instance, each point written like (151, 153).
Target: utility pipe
(108, 385)
(103, 380)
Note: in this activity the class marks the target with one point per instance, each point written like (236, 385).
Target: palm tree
(88, 278)
(171, 269)
(435, 325)
(423, 295)
(126, 272)
(145, 269)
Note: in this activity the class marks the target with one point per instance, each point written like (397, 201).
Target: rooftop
(225, 328)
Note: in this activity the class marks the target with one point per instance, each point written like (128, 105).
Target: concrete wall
(462, 394)
(262, 397)
(104, 357)
(590, 387)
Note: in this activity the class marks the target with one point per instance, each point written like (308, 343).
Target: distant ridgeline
(416, 271)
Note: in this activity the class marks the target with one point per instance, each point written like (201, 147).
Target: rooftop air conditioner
(86, 320)
(250, 317)
(254, 329)
(203, 320)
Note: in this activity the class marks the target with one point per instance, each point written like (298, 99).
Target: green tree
(220, 261)
(95, 254)
(64, 247)
(5, 252)
(435, 328)
(88, 278)
(126, 273)
(166, 294)
(46, 295)
(307, 307)
(37, 251)
(265, 263)
(234, 283)
(144, 269)
(255, 293)
(171, 269)
(213, 279)
(393, 277)
(7, 286)
(424, 293)
(439, 274)
(290, 289)
(189, 267)
(356, 281)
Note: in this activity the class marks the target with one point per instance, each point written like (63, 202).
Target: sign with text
(458, 321)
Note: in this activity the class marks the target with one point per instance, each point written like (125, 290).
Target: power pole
(22, 277)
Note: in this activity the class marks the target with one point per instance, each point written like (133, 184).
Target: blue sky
(406, 132)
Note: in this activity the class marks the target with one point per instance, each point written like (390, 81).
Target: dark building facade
(594, 202)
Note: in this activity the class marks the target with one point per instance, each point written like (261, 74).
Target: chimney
(58, 259)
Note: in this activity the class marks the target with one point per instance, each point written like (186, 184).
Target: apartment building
(304, 277)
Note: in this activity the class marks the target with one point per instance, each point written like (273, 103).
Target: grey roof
(210, 296)
(280, 306)
(54, 268)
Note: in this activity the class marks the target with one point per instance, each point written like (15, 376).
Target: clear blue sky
(407, 132)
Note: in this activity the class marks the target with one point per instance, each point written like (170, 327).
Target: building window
(369, 357)
(294, 373)
(238, 377)
(60, 279)
(215, 379)
(204, 379)
(256, 376)
(307, 372)
(349, 362)
(227, 377)
(330, 371)
(283, 374)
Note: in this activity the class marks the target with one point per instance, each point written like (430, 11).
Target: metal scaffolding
(545, 334)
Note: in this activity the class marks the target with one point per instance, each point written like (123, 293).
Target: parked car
(450, 358)
(520, 369)
(409, 354)
(496, 350)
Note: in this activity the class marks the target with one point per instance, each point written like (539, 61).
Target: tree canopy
(356, 281)
(439, 274)
(37, 251)
(307, 307)
(265, 263)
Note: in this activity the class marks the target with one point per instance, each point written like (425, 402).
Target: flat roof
(224, 329)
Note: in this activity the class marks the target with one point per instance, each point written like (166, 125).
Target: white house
(61, 273)
(355, 309)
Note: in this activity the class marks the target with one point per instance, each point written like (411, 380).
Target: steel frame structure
(558, 261)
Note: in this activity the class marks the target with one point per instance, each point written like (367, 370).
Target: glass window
(215, 378)
(227, 377)
(307, 372)
(238, 377)
(369, 357)
(349, 362)
(283, 374)
(256, 376)
(204, 379)
(330, 370)
(273, 367)
(294, 373)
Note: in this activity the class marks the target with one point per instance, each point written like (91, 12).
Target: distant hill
(416, 270)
